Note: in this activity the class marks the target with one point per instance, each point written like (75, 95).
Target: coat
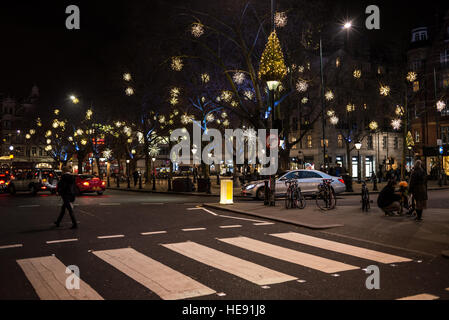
(418, 184)
(387, 196)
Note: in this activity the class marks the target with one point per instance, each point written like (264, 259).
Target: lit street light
(358, 146)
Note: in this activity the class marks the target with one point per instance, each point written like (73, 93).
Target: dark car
(86, 183)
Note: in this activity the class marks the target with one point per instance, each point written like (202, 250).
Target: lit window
(444, 57)
(309, 141)
(340, 141)
(327, 143)
(415, 86)
(417, 136)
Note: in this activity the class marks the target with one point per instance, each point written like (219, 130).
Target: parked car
(308, 181)
(4, 182)
(34, 181)
(86, 183)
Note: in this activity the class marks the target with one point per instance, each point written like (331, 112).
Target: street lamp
(358, 146)
(127, 173)
(152, 173)
(194, 151)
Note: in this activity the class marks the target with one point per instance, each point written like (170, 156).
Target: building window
(396, 143)
(340, 141)
(309, 142)
(370, 143)
(417, 136)
(41, 152)
(445, 82)
(444, 57)
(419, 34)
(327, 143)
(415, 86)
(384, 142)
(33, 151)
(416, 65)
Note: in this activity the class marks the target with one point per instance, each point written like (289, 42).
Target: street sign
(439, 142)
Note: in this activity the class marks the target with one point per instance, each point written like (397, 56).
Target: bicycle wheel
(300, 200)
(332, 199)
(321, 200)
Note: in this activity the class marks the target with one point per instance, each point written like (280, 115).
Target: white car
(308, 181)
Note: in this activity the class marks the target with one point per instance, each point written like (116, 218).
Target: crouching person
(388, 200)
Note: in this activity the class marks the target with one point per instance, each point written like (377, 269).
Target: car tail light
(342, 181)
(44, 188)
(86, 184)
(2, 182)
(103, 183)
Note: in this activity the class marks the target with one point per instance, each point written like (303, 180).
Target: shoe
(56, 224)
(418, 219)
(75, 226)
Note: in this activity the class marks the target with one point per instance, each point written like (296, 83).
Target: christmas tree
(409, 140)
(272, 66)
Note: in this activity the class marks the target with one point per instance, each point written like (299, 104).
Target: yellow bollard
(226, 191)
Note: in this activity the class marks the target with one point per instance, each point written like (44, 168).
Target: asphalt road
(159, 227)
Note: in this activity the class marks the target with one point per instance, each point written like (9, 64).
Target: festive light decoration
(79, 132)
(250, 134)
(127, 131)
(56, 112)
(127, 77)
(205, 77)
(28, 136)
(226, 123)
(226, 95)
(55, 124)
(130, 140)
(129, 91)
(357, 73)
(412, 76)
(48, 133)
(350, 107)
(153, 150)
(330, 113)
(301, 69)
(373, 125)
(74, 99)
(272, 66)
(234, 103)
(161, 119)
(301, 86)
(197, 30)
(329, 95)
(210, 117)
(185, 119)
(174, 101)
(384, 90)
(304, 100)
(175, 91)
(280, 19)
(409, 140)
(337, 62)
(32, 131)
(83, 142)
(107, 153)
(224, 115)
(177, 64)
(48, 141)
(39, 122)
(249, 95)
(400, 110)
(441, 105)
(48, 148)
(239, 77)
(396, 124)
(334, 120)
(70, 138)
(89, 114)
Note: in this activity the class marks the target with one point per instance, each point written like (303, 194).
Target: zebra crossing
(48, 274)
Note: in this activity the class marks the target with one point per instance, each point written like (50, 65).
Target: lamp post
(108, 165)
(358, 146)
(208, 190)
(152, 173)
(127, 173)
(272, 87)
(194, 151)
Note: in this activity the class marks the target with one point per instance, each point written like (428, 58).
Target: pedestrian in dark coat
(66, 189)
(418, 188)
(135, 177)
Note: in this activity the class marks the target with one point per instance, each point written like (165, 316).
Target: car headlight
(251, 186)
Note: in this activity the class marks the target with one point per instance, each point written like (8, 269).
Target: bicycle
(294, 197)
(325, 197)
(365, 197)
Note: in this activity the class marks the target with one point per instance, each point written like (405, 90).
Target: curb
(169, 192)
(445, 253)
(377, 192)
(289, 221)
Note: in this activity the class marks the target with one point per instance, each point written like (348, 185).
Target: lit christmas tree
(272, 66)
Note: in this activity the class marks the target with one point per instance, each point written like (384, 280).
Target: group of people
(389, 201)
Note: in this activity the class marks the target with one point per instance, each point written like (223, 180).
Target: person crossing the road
(66, 189)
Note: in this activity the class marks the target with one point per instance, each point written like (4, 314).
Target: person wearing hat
(66, 189)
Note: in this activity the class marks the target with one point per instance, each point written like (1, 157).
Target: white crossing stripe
(30, 206)
(9, 246)
(152, 232)
(48, 277)
(110, 237)
(149, 203)
(341, 248)
(289, 255)
(193, 229)
(231, 226)
(60, 241)
(241, 268)
(424, 296)
(109, 204)
(263, 224)
(167, 283)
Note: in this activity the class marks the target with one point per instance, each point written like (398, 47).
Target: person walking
(418, 188)
(66, 189)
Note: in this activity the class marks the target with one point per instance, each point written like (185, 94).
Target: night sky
(36, 48)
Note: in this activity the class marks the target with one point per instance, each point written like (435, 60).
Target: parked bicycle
(365, 197)
(294, 197)
(325, 197)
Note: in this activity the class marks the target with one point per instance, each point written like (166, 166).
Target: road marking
(152, 232)
(341, 248)
(447, 289)
(149, 203)
(11, 246)
(263, 224)
(60, 241)
(164, 281)
(30, 206)
(423, 296)
(241, 268)
(231, 217)
(109, 204)
(289, 255)
(194, 208)
(231, 226)
(48, 277)
(110, 237)
(193, 229)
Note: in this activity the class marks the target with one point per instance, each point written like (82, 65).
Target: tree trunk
(348, 160)
(284, 157)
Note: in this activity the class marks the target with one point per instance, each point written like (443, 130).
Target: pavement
(168, 241)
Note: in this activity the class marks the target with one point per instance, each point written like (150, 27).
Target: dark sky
(37, 48)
